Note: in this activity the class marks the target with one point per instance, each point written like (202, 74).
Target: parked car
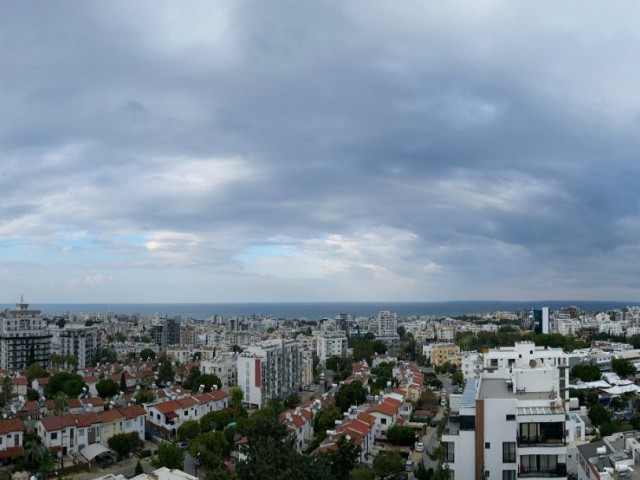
(419, 447)
(182, 444)
(408, 465)
(105, 460)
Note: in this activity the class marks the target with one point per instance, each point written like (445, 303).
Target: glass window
(508, 475)
(508, 452)
(449, 452)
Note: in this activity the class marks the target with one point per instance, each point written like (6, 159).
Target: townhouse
(11, 436)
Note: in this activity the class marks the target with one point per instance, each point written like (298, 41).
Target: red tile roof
(11, 425)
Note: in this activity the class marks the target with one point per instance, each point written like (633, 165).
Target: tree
(35, 370)
(189, 430)
(342, 459)
(236, 395)
(598, 414)
(66, 382)
(352, 393)
(6, 391)
(147, 354)
(333, 363)
(169, 455)
(401, 332)
(125, 443)
(388, 462)
(586, 373)
(165, 371)
(362, 473)
(139, 470)
(457, 378)
(123, 383)
(400, 435)
(212, 447)
(292, 401)
(60, 403)
(107, 388)
(326, 420)
(144, 396)
(623, 367)
(217, 420)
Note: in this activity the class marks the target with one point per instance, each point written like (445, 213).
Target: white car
(419, 447)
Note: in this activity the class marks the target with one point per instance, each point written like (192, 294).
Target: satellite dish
(533, 363)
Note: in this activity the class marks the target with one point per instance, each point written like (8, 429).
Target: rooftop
(498, 388)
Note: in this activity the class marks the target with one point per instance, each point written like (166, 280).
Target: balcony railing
(558, 472)
(524, 442)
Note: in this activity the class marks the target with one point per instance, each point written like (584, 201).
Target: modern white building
(330, 344)
(508, 424)
(83, 343)
(24, 338)
(387, 324)
(270, 369)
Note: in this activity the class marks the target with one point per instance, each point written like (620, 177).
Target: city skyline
(293, 152)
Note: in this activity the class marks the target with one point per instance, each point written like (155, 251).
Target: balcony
(524, 442)
(560, 471)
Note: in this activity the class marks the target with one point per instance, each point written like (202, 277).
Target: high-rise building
(270, 369)
(387, 324)
(24, 338)
(541, 320)
(509, 423)
(83, 343)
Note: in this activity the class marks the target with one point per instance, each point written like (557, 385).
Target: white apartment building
(24, 338)
(270, 369)
(330, 344)
(83, 343)
(508, 424)
(471, 364)
(387, 324)
(224, 367)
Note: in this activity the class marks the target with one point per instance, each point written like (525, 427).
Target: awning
(92, 451)
(12, 452)
(171, 415)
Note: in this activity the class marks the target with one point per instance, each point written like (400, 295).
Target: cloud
(297, 151)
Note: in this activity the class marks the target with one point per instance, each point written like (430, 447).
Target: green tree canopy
(623, 367)
(388, 462)
(65, 382)
(35, 370)
(147, 354)
(169, 455)
(599, 415)
(125, 443)
(212, 447)
(343, 459)
(586, 373)
(217, 420)
(189, 430)
(400, 435)
(107, 388)
(353, 393)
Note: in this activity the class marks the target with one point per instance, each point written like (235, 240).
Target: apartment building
(24, 338)
(330, 344)
(387, 325)
(224, 367)
(508, 424)
(443, 353)
(81, 342)
(270, 369)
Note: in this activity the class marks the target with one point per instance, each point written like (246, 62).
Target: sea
(320, 310)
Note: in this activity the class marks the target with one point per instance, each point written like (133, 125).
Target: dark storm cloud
(356, 151)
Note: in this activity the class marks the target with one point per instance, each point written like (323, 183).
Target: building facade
(270, 369)
(508, 424)
(83, 343)
(24, 338)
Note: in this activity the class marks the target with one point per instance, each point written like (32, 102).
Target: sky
(237, 151)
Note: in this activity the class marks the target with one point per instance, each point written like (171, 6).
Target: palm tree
(6, 391)
(60, 403)
(34, 452)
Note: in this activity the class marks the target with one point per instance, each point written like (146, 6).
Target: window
(383, 421)
(487, 445)
(511, 418)
(508, 452)
(508, 475)
(54, 435)
(449, 452)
